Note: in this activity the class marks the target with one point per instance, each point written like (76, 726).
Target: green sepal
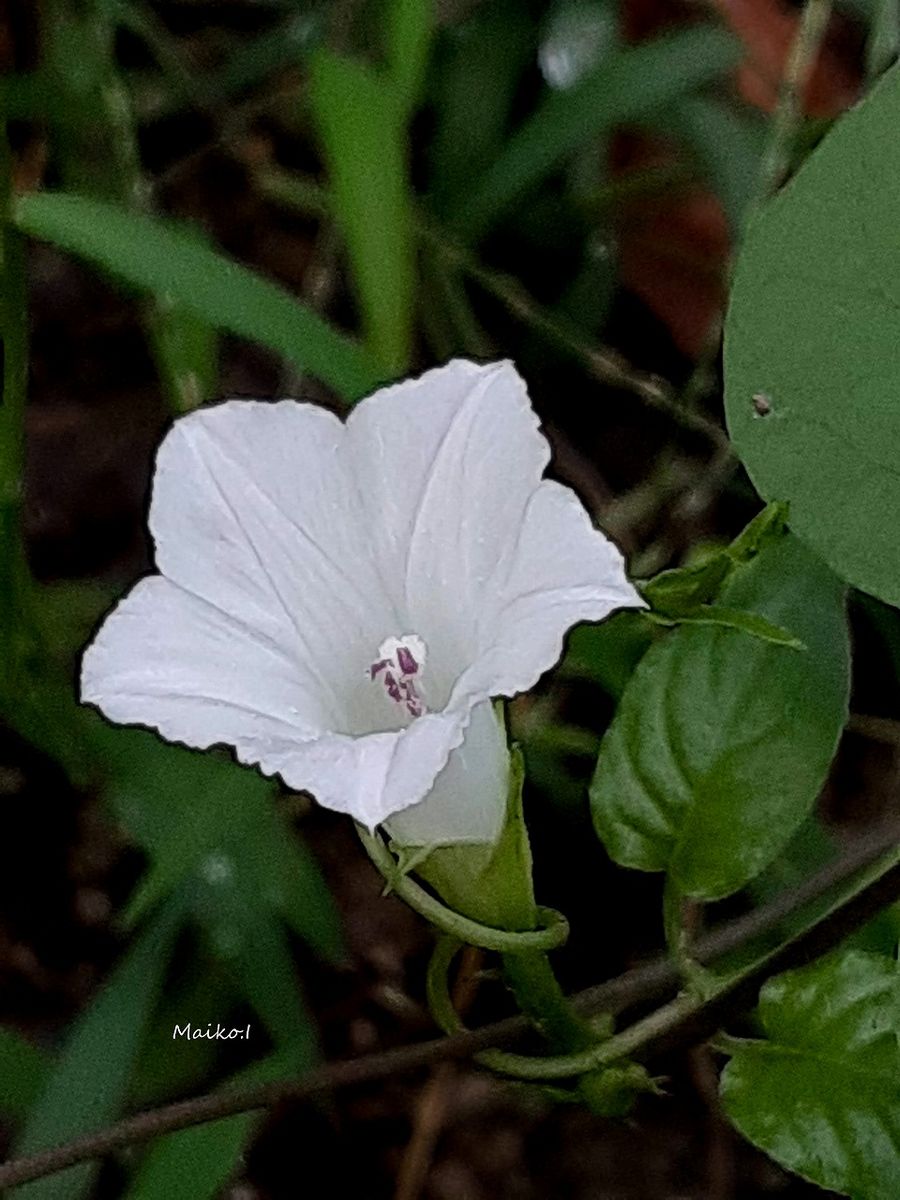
(679, 593)
(408, 859)
(489, 883)
(608, 1092)
(614, 1090)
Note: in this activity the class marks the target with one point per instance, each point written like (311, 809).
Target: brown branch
(680, 1024)
(431, 1109)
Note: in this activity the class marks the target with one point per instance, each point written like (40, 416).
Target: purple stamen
(393, 687)
(406, 662)
(401, 661)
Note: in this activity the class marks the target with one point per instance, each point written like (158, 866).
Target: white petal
(468, 800)
(167, 659)
(447, 463)
(291, 549)
(253, 511)
(374, 776)
(557, 572)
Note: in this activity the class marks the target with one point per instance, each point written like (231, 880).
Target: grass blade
(89, 1083)
(626, 86)
(362, 127)
(152, 255)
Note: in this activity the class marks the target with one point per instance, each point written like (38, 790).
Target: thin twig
(789, 113)
(602, 363)
(431, 1109)
(686, 1021)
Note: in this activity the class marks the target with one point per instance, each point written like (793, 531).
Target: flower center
(398, 665)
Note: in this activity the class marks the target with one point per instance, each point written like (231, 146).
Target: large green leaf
(821, 1093)
(361, 120)
(201, 993)
(155, 256)
(201, 815)
(24, 1070)
(89, 1082)
(195, 1164)
(633, 82)
(812, 357)
(722, 740)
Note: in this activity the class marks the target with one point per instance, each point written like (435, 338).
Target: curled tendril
(516, 1066)
(553, 931)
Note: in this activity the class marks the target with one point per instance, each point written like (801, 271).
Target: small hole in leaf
(762, 404)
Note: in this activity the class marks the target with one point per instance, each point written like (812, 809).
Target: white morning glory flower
(339, 601)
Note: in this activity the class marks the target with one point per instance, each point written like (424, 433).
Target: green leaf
(288, 874)
(732, 618)
(608, 653)
(246, 932)
(265, 972)
(883, 43)
(155, 256)
(195, 1164)
(683, 591)
(283, 45)
(88, 1085)
(202, 993)
(721, 742)
(362, 126)
(729, 143)
(24, 1069)
(821, 1094)
(194, 812)
(812, 358)
(626, 86)
(811, 849)
(409, 28)
(766, 527)
(24, 97)
(475, 81)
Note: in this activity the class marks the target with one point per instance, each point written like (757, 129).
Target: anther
(398, 662)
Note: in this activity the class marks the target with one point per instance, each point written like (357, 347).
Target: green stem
(526, 968)
(789, 113)
(27, 704)
(570, 1029)
(883, 43)
(538, 994)
(676, 914)
(100, 155)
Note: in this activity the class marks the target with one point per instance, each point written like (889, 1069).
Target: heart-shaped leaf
(812, 357)
(722, 740)
(821, 1093)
